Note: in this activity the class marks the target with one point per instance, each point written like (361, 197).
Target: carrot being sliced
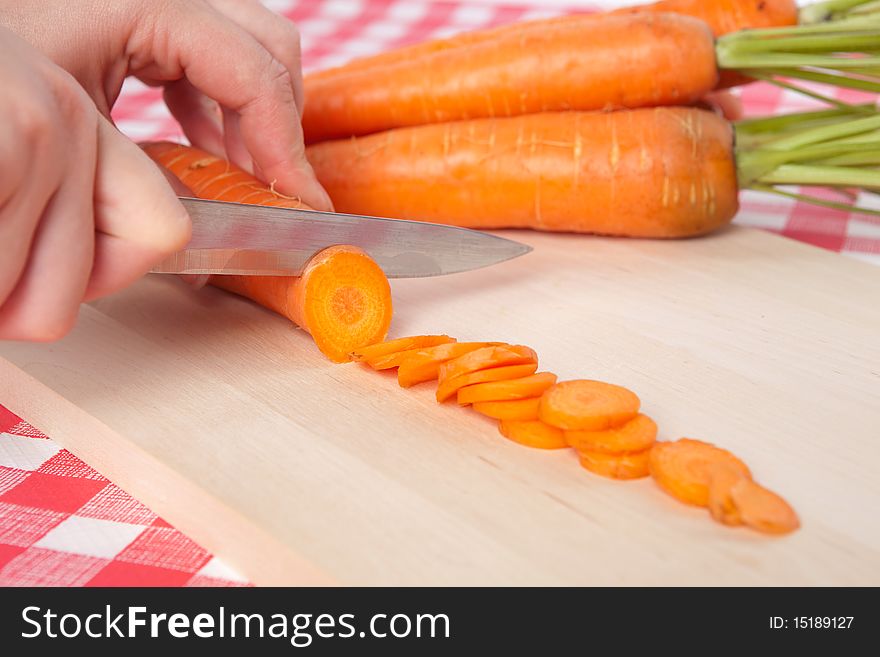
(507, 389)
(722, 478)
(532, 433)
(448, 387)
(424, 364)
(584, 405)
(636, 435)
(400, 344)
(616, 466)
(487, 357)
(762, 509)
(684, 468)
(519, 409)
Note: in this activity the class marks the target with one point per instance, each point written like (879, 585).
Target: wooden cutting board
(228, 422)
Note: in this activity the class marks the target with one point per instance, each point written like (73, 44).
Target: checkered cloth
(61, 523)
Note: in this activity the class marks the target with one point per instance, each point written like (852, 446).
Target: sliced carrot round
(583, 405)
(420, 365)
(400, 344)
(721, 505)
(684, 468)
(519, 409)
(532, 433)
(636, 435)
(449, 387)
(481, 359)
(763, 509)
(616, 466)
(507, 390)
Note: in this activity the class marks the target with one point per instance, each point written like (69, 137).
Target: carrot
(509, 389)
(633, 465)
(636, 435)
(583, 405)
(684, 468)
(342, 299)
(663, 172)
(584, 66)
(481, 359)
(762, 509)
(424, 364)
(369, 352)
(518, 409)
(397, 358)
(532, 433)
(721, 505)
(449, 386)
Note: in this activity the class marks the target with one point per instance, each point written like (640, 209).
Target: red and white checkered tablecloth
(62, 523)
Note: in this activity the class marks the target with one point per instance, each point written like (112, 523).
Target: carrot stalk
(342, 299)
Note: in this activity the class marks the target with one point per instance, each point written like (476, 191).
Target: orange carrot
(722, 478)
(583, 405)
(342, 299)
(509, 389)
(487, 357)
(616, 466)
(762, 509)
(661, 172)
(684, 468)
(449, 386)
(424, 364)
(369, 352)
(605, 62)
(533, 433)
(518, 409)
(637, 435)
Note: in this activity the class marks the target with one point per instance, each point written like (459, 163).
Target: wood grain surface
(228, 422)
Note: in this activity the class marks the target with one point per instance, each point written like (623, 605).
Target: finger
(274, 32)
(233, 142)
(198, 116)
(244, 77)
(46, 300)
(138, 219)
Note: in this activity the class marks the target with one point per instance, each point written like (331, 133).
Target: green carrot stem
(851, 81)
(828, 10)
(797, 174)
(813, 200)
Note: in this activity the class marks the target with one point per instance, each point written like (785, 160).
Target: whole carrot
(342, 298)
(659, 172)
(605, 61)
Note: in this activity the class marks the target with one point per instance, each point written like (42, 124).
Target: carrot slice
(616, 466)
(583, 405)
(684, 468)
(400, 344)
(397, 358)
(722, 479)
(485, 358)
(507, 389)
(424, 364)
(763, 509)
(637, 435)
(449, 387)
(532, 433)
(519, 409)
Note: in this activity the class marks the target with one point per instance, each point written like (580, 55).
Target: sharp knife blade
(234, 238)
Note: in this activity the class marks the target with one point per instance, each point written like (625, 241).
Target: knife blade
(234, 238)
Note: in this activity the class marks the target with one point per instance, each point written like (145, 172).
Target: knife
(234, 238)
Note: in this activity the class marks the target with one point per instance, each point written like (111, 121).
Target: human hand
(230, 71)
(83, 212)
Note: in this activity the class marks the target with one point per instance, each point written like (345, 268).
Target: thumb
(138, 219)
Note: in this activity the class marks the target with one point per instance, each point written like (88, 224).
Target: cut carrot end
(379, 349)
(684, 468)
(520, 409)
(506, 389)
(636, 435)
(616, 466)
(762, 509)
(533, 433)
(583, 405)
